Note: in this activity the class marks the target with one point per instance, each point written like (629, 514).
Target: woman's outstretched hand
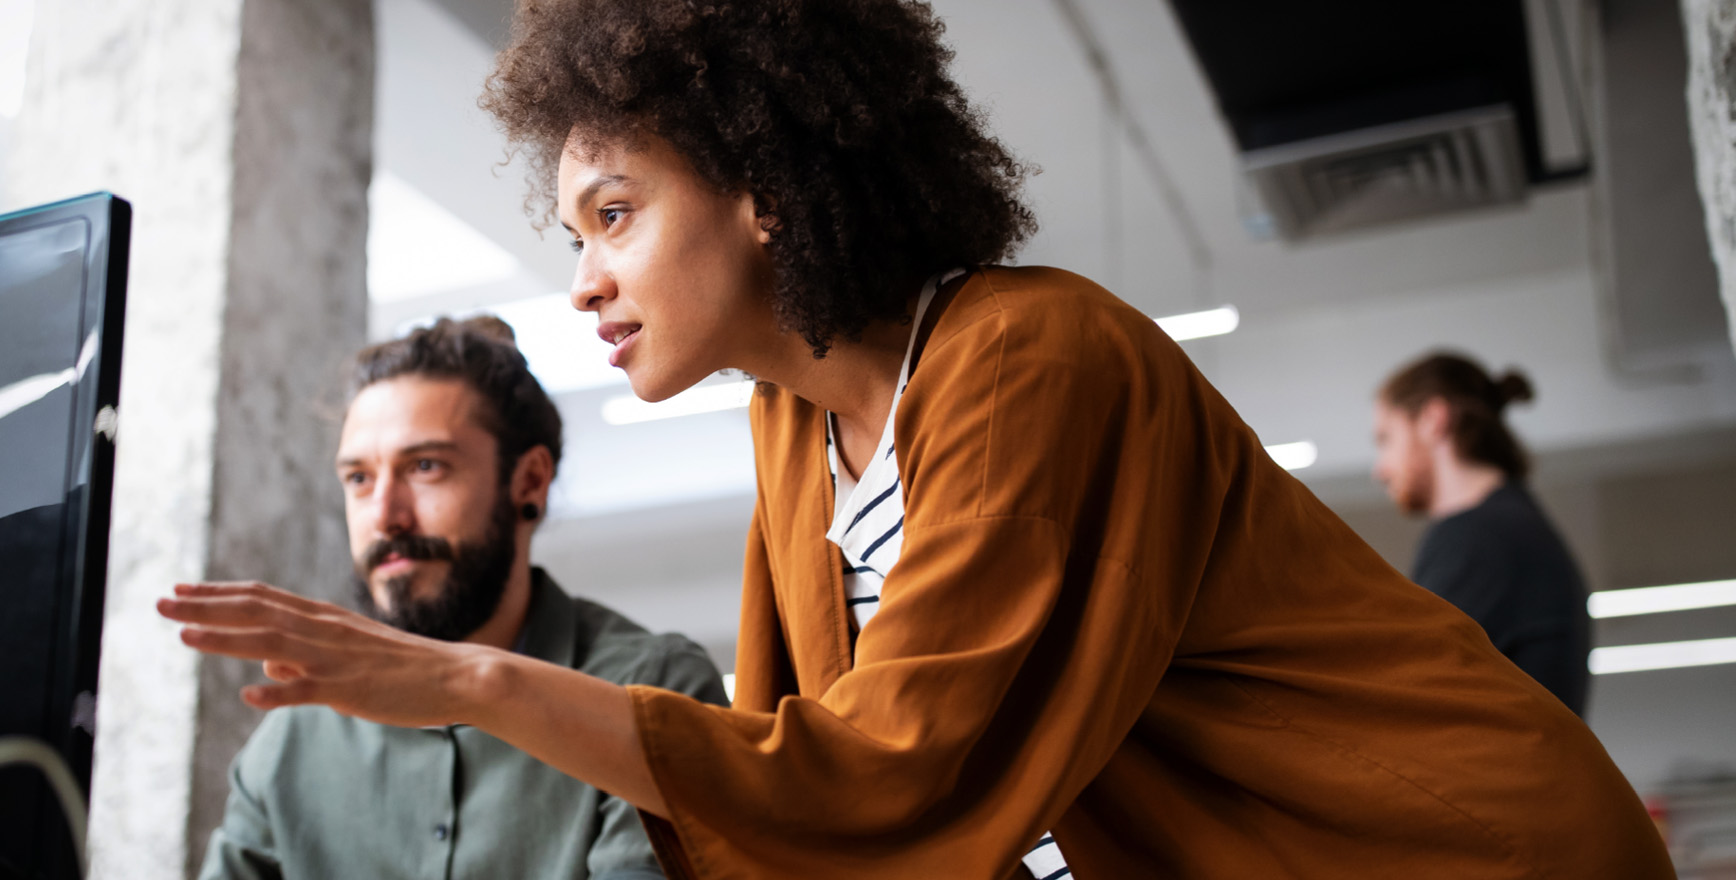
(317, 652)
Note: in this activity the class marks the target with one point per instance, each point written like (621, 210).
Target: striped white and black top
(868, 527)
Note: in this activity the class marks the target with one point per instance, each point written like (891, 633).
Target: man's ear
(532, 477)
(1434, 420)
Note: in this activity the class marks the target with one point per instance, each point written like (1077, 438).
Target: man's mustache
(423, 547)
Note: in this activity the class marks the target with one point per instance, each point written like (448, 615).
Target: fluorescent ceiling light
(1293, 456)
(627, 409)
(1663, 655)
(1193, 325)
(1655, 600)
(416, 247)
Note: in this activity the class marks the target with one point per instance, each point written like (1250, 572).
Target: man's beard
(1416, 491)
(475, 579)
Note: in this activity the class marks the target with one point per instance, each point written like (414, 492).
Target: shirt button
(441, 832)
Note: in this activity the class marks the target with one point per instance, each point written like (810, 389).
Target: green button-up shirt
(315, 795)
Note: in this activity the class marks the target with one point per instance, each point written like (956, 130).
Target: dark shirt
(318, 795)
(1503, 564)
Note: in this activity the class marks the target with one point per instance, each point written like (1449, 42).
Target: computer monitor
(63, 271)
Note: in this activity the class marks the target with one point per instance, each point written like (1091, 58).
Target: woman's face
(676, 271)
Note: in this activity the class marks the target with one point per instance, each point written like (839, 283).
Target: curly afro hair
(838, 116)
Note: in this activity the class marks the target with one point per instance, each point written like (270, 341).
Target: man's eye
(427, 464)
(355, 478)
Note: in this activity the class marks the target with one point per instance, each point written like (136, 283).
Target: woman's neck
(855, 381)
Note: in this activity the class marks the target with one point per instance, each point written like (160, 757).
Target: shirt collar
(548, 631)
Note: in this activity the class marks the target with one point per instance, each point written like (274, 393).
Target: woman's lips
(621, 336)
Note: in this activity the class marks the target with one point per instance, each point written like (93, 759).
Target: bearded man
(448, 450)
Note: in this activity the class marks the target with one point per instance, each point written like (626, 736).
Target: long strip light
(1656, 600)
(729, 686)
(1193, 325)
(1294, 456)
(1662, 655)
(627, 409)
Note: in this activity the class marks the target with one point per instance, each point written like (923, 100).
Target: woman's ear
(765, 211)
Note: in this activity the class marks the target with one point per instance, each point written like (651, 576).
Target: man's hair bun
(1513, 388)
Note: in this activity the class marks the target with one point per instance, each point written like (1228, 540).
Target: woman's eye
(610, 215)
(578, 245)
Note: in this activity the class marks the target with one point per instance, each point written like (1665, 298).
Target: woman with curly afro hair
(1022, 595)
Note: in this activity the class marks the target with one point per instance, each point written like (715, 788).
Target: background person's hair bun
(1513, 387)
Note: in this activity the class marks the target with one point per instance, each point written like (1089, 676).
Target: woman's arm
(317, 652)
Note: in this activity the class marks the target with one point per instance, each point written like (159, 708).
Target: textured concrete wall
(1711, 32)
(1656, 277)
(241, 133)
(296, 309)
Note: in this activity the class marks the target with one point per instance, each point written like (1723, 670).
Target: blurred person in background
(1444, 452)
(448, 450)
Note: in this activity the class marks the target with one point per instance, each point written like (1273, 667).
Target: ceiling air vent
(1390, 172)
(1357, 112)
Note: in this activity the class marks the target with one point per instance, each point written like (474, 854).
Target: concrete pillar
(1711, 36)
(241, 132)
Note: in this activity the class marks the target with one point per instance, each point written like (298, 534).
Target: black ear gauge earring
(529, 512)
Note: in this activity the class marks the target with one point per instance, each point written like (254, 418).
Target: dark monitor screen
(62, 289)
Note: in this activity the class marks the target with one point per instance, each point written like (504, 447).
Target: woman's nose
(592, 285)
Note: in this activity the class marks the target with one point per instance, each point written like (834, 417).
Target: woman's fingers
(228, 611)
(316, 652)
(253, 611)
(272, 696)
(278, 670)
(256, 590)
(251, 644)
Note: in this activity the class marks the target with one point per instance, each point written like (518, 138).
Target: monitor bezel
(76, 653)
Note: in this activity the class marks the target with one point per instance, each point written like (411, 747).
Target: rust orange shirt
(1114, 616)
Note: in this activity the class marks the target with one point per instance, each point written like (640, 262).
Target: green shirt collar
(548, 632)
